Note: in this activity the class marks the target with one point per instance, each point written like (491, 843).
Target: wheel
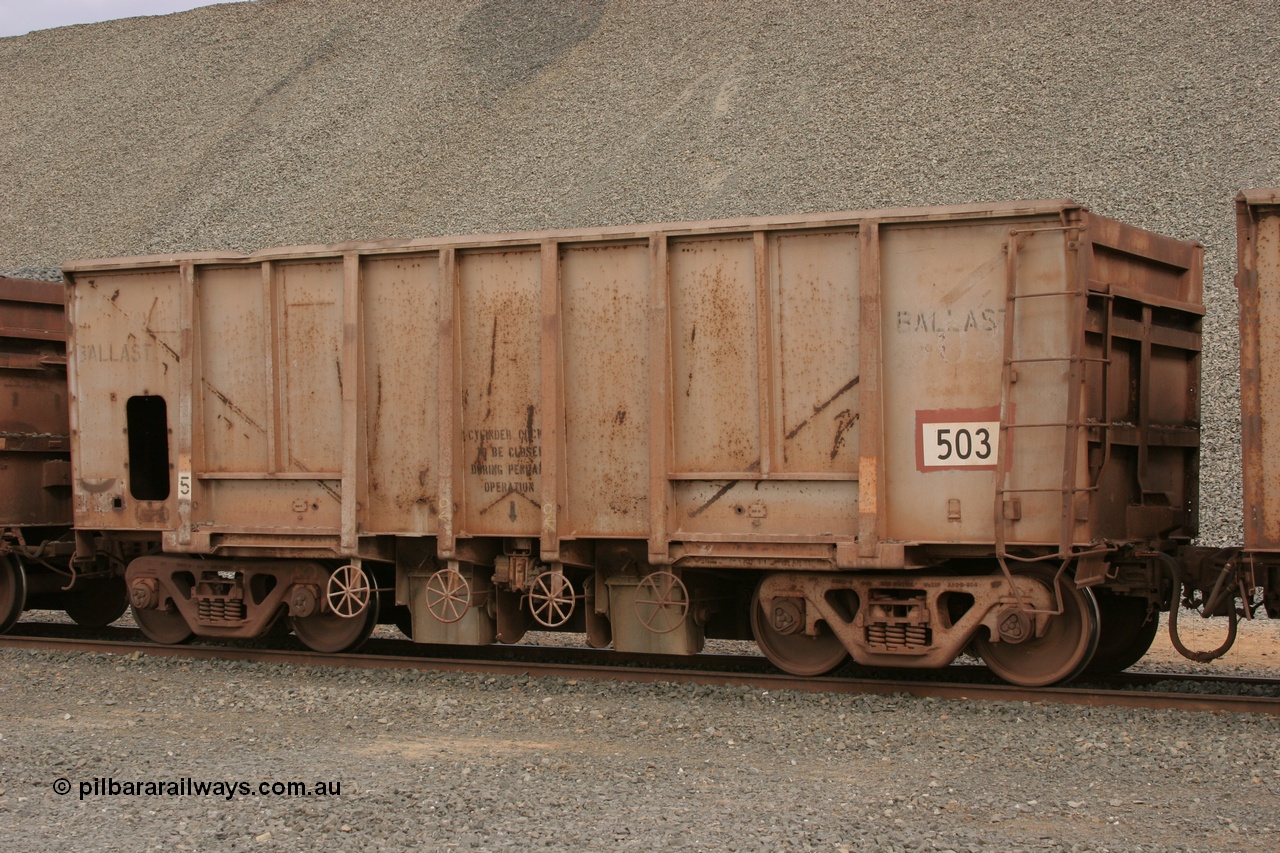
(329, 633)
(13, 592)
(1061, 653)
(447, 595)
(662, 602)
(349, 591)
(1126, 634)
(551, 599)
(166, 627)
(794, 653)
(100, 603)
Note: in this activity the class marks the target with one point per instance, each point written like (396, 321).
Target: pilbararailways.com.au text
(107, 786)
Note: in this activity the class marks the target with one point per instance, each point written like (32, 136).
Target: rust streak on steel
(226, 401)
(724, 490)
(1097, 697)
(822, 407)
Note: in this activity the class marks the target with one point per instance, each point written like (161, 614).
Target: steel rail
(525, 665)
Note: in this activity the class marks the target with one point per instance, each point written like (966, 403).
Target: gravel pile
(254, 124)
(443, 761)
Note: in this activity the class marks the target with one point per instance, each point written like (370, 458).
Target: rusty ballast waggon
(36, 545)
(891, 435)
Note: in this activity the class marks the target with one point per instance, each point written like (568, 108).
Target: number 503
(952, 445)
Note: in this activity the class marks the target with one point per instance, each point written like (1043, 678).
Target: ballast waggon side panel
(872, 389)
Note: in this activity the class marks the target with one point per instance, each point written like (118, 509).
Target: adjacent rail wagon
(35, 466)
(892, 435)
(1258, 287)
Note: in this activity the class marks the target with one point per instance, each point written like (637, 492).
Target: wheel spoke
(551, 599)
(661, 602)
(447, 595)
(349, 591)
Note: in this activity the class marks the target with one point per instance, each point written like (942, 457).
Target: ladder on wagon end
(1073, 299)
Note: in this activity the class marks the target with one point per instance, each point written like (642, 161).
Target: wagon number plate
(957, 444)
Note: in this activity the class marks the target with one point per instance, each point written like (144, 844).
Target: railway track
(1181, 691)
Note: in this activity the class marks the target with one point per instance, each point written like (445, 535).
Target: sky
(22, 16)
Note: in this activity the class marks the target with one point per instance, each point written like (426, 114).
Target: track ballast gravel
(450, 761)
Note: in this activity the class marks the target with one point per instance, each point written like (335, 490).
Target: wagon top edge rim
(975, 211)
